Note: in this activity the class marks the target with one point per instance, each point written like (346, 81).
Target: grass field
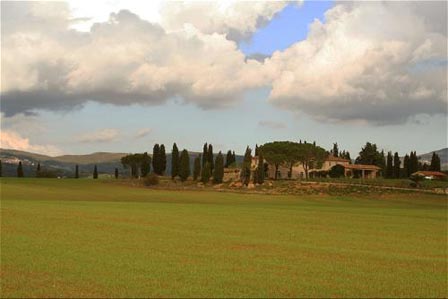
(84, 238)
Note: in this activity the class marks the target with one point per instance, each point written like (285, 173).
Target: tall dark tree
(256, 150)
(233, 157)
(210, 158)
(218, 173)
(246, 167)
(162, 159)
(335, 150)
(407, 172)
(137, 162)
(204, 154)
(76, 171)
(156, 159)
(38, 170)
(389, 166)
(197, 167)
(397, 163)
(184, 169)
(309, 155)
(205, 173)
(345, 155)
(228, 159)
(370, 155)
(174, 161)
(20, 170)
(413, 162)
(260, 169)
(276, 153)
(116, 173)
(145, 164)
(424, 166)
(382, 162)
(435, 162)
(95, 172)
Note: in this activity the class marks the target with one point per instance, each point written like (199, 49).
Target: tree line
(391, 163)
(206, 166)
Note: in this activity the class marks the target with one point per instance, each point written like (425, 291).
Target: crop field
(85, 238)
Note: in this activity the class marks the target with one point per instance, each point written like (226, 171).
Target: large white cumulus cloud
(379, 62)
(370, 61)
(236, 19)
(122, 61)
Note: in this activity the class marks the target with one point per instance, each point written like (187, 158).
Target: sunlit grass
(81, 238)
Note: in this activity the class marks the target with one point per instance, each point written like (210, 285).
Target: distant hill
(100, 157)
(442, 153)
(65, 165)
(61, 165)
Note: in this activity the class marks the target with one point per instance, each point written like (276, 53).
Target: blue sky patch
(286, 28)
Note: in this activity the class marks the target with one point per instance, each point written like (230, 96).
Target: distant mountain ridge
(97, 157)
(443, 155)
(65, 165)
(62, 165)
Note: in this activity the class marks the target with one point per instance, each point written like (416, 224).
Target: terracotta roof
(338, 159)
(362, 167)
(431, 173)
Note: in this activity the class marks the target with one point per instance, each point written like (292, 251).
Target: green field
(84, 238)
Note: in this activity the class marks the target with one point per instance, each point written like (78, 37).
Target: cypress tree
(246, 167)
(347, 156)
(397, 163)
(95, 172)
(174, 161)
(20, 170)
(145, 164)
(204, 154)
(335, 150)
(184, 170)
(256, 150)
(76, 171)
(38, 170)
(413, 161)
(382, 163)
(162, 159)
(260, 168)
(116, 173)
(406, 166)
(435, 162)
(197, 167)
(228, 158)
(156, 159)
(210, 157)
(218, 173)
(389, 166)
(205, 173)
(233, 157)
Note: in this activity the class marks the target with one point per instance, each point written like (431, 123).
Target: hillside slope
(442, 153)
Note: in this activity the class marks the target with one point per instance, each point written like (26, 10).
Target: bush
(337, 171)
(151, 180)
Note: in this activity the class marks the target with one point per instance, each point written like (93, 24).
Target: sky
(81, 76)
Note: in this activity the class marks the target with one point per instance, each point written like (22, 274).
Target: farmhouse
(431, 175)
(297, 171)
(231, 174)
